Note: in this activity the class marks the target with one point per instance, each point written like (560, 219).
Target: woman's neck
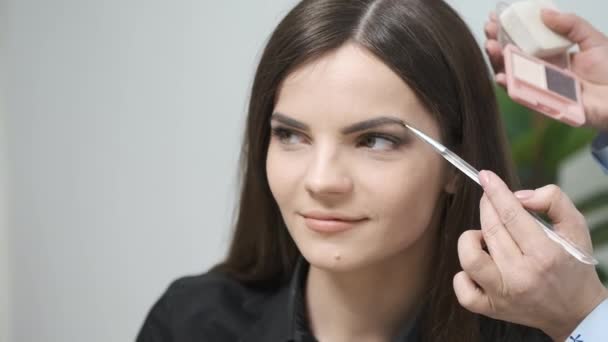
(368, 304)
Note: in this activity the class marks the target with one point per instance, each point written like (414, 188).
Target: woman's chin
(336, 260)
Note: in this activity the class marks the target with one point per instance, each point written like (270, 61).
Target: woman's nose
(327, 175)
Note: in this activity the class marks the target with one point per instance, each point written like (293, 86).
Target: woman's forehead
(350, 82)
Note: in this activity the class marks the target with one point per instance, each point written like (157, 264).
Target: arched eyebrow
(286, 120)
(372, 123)
(356, 127)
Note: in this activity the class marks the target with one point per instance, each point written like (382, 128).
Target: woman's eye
(286, 136)
(379, 142)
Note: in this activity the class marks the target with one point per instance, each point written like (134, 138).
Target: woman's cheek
(284, 173)
(276, 180)
(408, 198)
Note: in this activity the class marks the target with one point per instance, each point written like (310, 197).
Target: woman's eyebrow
(356, 127)
(286, 120)
(373, 123)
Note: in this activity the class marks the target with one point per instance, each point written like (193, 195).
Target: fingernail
(549, 11)
(524, 194)
(484, 177)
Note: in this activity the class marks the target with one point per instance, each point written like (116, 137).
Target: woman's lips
(331, 225)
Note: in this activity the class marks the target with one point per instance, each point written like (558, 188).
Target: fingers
(594, 99)
(469, 295)
(478, 265)
(574, 28)
(561, 211)
(494, 51)
(551, 200)
(501, 79)
(509, 212)
(493, 16)
(492, 46)
(501, 245)
(491, 30)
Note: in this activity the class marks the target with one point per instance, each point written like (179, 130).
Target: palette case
(543, 87)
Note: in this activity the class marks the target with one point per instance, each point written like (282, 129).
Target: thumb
(551, 200)
(573, 27)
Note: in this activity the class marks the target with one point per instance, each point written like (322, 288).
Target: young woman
(348, 225)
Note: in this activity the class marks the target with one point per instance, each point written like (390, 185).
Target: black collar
(284, 315)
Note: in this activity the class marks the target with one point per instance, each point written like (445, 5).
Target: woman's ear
(451, 183)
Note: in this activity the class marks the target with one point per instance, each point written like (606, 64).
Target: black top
(214, 307)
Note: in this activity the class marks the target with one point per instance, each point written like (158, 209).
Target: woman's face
(353, 185)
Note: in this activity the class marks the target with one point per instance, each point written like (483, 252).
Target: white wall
(5, 325)
(124, 121)
(4, 243)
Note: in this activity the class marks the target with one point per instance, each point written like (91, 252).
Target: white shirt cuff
(594, 327)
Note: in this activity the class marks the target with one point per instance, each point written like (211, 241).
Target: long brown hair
(429, 46)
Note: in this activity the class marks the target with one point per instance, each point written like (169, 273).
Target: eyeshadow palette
(543, 87)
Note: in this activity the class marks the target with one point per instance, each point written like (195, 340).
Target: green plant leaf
(517, 118)
(522, 147)
(560, 141)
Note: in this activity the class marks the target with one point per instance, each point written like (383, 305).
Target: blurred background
(120, 127)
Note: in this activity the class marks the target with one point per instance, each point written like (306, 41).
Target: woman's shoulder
(205, 305)
(211, 287)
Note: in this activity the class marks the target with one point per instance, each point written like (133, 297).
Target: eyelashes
(374, 141)
(380, 141)
(286, 136)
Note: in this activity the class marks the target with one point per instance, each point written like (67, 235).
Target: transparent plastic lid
(561, 60)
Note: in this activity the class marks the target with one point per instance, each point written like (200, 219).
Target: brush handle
(571, 248)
